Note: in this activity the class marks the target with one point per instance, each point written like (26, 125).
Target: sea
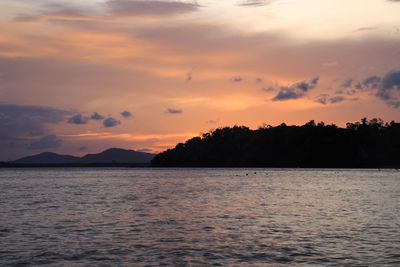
(199, 217)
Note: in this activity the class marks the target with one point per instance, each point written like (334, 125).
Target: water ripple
(199, 217)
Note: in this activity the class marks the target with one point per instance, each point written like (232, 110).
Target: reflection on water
(195, 217)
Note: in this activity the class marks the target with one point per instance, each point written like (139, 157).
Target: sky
(78, 77)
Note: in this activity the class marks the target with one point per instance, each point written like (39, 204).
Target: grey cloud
(56, 12)
(351, 92)
(174, 111)
(26, 19)
(322, 99)
(253, 3)
(259, 80)
(372, 81)
(62, 8)
(394, 104)
(213, 121)
(237, 79)
(78, 119)
(287, 93)
(358, 86)
(387, 87)
(392, 80)
(347, 84)
(96, 116)
(365, 29)
(149, 8)
(295, 91)
(48, 141)
(69, 13)
(69, 10)
(126, 114)
(390, 83)
(83, 148)
(336, 99)
(188, 76)
(305, 86)
(19, 120)
(111, 122)
(19, 123)
(325, 99)
(314, 81)
(268, 89)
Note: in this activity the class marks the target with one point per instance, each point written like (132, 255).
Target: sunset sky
(79, 77)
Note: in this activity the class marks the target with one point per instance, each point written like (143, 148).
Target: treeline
(364, 144)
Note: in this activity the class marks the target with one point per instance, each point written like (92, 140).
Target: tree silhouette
(367, 144)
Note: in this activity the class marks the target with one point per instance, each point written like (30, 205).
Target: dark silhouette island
(365, 144)
(47, 157)
(113, 157)
(118, 155)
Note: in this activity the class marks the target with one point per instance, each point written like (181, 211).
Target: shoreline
(6, 165)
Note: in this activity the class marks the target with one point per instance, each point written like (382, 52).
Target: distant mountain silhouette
(48, 157)
(112, 155)
(369, 144)
(118, 155)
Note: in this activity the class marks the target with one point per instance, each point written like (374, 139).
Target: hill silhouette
(118, 155)
(48, 157)
(112, 155)
(360, 145)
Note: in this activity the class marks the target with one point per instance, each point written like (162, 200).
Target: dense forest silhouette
(364, 144)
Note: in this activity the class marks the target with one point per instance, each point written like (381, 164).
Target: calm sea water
(199, 217)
